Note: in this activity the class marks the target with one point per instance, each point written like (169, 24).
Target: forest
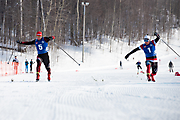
(117, 19)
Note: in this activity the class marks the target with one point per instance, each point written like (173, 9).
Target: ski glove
(156, 34)
(19, 42)
(53, 37)
(127, 56)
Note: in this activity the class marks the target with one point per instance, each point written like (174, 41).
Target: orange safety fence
(12, 68)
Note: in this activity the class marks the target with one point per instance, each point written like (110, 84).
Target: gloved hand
(53, 37)
(19, 42)
(127, 56)
(156, 34)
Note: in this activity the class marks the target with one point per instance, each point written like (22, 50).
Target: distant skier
(121, 64)
(31, 63)
(26, 66)
(171, 66)
(41, 44)
(139, 67)
(151, 59)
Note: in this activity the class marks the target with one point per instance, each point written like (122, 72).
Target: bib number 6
(40, 46)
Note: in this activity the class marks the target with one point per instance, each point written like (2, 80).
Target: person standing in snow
(151, 59)
(16, 63)
(41, 44)
(171, 66)
(26, 66)
(31, 63)
(139, 66)
(121, 65)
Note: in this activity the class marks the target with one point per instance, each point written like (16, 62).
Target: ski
(96, 79)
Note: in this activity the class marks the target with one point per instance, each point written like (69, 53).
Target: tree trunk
(77, 24)
(112, 32)
(37, 11)
(43, 19)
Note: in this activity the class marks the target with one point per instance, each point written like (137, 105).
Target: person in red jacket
(41, 44)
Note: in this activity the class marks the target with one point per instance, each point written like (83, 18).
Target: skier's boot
(49, 75)
(152, 77)
(148, 77)
(37, 76)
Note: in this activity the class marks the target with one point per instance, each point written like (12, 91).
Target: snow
(96, 90)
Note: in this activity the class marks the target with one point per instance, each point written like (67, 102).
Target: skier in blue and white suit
(151, 59)
(41, 44)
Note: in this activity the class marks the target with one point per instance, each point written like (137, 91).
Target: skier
(121, 65)
(26, 66)
(171, 66)
(139, 66)
(31, 63)
(41, 44)
(151, 59)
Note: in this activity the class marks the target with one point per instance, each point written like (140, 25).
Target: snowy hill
(96, 90)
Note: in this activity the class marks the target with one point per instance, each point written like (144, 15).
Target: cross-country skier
(26, 66)
(171, 66)
(139, 67)
(121, 65)
(41, 44)
(151, 59)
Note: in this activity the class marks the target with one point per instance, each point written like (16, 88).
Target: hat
(39, 33)
(146, 38)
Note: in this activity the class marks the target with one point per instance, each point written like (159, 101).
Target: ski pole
(10, 58)
(170, 48)
(66, 53)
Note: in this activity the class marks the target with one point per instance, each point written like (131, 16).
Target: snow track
(76, 96)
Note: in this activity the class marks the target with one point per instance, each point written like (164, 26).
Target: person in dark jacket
(121, 65)
(139, 67)
(171, 66)
(31, 63)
